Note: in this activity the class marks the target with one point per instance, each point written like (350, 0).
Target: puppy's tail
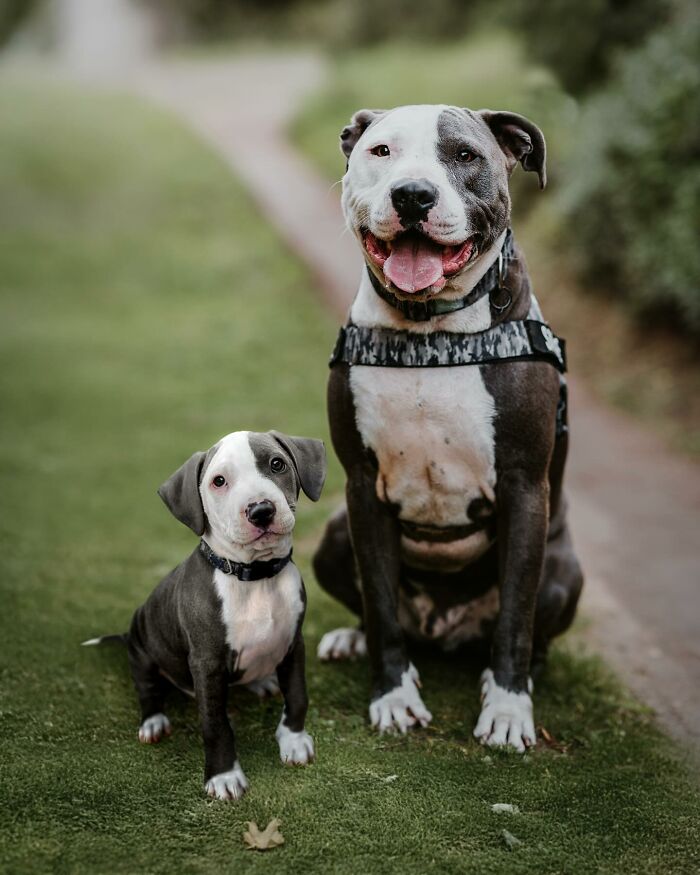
(105, 639)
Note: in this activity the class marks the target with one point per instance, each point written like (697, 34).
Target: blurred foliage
(632, 199)
(580, 41)
(331, 22)
(12, 14)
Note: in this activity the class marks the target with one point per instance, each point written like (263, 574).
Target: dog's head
(426, 189)
(242, 493)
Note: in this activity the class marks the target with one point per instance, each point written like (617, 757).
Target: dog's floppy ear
(520, 140)
(359, 123)
(309, 458)
(180, 492)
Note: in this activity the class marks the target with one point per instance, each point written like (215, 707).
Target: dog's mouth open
(414, 262)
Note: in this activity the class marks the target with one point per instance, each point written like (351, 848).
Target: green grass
(147, 310)
(662, 387)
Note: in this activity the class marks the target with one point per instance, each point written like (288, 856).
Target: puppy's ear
(359, 123)
(520, 140)
(309, 458)
(180, 492)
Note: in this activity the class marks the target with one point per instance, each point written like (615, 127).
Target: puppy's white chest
(433, 434)
(260, 618)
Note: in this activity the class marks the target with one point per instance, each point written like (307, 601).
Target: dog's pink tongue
(415, 263)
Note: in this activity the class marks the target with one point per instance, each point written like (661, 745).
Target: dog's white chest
(433, 434)
(260, 618)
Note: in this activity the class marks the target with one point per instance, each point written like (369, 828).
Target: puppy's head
(242, 493)
(426, 190)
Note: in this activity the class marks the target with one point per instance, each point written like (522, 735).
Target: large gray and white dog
(455, 527)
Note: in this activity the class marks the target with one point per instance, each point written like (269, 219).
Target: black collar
(492, 281)
(245, 571)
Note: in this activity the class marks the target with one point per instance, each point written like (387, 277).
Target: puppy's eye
(277, 465)
(218, 481)
(381, 151)
(466, 156)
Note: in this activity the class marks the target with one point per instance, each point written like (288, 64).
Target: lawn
(147, 310)
(660, 387)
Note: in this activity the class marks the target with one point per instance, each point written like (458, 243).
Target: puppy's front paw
(154, 728)
(400, 708)
(296, 748)
(506, 717)
(228, 785)
(340, 644)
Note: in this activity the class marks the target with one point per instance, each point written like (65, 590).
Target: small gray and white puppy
(232, 612)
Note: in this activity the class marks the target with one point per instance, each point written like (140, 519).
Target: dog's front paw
(296, 748)
(228, 785)
(265, 687)
(154, 728)
(506, 717)
(400, 708)
(340, 644)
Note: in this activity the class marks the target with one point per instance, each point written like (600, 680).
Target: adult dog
(448, 417)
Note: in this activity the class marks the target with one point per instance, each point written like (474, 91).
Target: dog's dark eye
(466, 155)
(381, 151)
(218, 481)
(277, 465)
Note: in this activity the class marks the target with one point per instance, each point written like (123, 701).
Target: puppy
(232, 612)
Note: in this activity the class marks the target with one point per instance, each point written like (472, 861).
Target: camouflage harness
(510, 341)
(528, 339)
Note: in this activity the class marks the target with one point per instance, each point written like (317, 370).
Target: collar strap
(245, 571)
(492, 281)
(525, 339)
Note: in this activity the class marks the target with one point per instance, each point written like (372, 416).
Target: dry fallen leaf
(269, 838)
(552, 743)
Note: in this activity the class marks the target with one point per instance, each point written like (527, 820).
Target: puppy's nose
(413, 199)
(261, 513)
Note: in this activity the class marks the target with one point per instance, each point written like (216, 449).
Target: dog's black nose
(261, 513)
(413, 199)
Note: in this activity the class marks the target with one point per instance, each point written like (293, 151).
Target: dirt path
(634, 505)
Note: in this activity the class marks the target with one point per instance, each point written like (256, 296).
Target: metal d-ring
(501, 308)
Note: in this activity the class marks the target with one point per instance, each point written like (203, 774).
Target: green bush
(580, 41)
(12, 14)
(633, 200)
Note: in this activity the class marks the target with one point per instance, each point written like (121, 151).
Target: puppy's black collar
(492, 283)
(245, 571)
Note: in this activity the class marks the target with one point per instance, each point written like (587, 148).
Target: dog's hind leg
(334, 566)
(560, 588)
(151, 687)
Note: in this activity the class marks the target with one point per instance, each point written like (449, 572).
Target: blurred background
(615, 85)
